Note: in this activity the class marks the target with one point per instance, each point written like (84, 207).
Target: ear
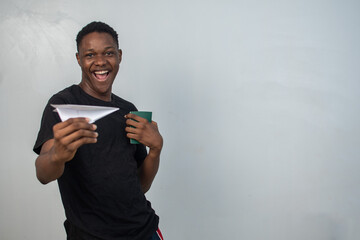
(120, 55)
(77, 58)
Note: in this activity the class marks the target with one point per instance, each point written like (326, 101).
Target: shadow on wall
(320, 227)
(38, 45)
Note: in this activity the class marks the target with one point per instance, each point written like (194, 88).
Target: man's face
(99, 59)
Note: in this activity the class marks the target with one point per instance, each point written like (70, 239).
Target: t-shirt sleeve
(48, 120)
(140, 154)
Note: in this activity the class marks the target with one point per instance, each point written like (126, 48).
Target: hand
(69, 136)
(143, 131)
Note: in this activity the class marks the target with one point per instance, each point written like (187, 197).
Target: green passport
(143, 114)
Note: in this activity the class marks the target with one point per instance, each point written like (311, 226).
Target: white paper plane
(94, 113)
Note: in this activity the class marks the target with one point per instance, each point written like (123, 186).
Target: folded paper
(93, 113)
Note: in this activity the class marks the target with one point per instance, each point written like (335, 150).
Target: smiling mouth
(101, 75)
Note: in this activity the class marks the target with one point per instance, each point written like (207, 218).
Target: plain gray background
(258, 103)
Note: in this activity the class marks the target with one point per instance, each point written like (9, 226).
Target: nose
(100, 60)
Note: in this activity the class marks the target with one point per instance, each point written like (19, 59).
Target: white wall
(258, 102)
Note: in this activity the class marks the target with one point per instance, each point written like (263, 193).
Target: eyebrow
(92, 50)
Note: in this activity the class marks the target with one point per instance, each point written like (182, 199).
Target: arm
(148, 169)
(149, 135)
(68, 137)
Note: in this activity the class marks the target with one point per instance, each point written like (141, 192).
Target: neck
(104, 96)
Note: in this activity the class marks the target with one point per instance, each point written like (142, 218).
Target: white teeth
(101, 72)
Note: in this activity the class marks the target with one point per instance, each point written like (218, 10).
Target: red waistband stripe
(159, 234)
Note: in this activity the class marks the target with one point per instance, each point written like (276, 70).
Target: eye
(89, 55)
(110, 53)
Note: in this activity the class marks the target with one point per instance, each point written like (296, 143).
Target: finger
(66, 123)
(136, 124)
(155, 126)
(63, 125)
(132, 130)
(79, 134)
(135, 117)
(73, 126)
(82, 141)
(133, 136)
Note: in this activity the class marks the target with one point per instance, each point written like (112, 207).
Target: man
(102, 178)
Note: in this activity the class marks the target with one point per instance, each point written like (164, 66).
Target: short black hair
(99, 27)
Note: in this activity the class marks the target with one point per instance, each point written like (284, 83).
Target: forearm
(148, 169)
(48, 170)
(68, 137)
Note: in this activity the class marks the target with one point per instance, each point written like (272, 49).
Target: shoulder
(65, 96)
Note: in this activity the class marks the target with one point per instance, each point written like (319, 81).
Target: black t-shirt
(100, 189)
